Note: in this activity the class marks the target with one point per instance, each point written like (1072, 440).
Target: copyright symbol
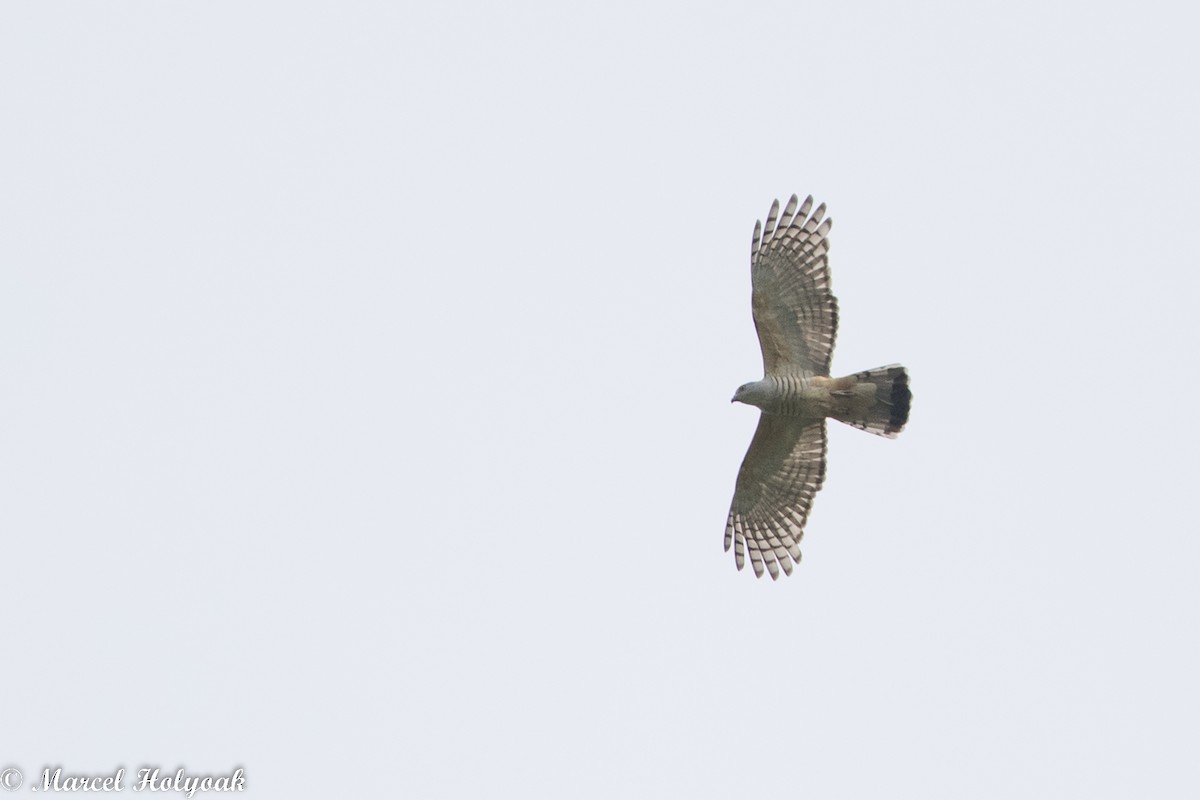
(11, 779)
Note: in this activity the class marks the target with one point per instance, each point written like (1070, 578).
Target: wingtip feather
(772, 218)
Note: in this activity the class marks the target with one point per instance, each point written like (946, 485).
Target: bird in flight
(796, 316)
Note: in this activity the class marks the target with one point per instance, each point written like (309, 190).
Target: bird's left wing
(795, 312)
(782, 472)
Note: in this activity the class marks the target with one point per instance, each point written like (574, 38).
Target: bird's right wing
(795, 312)
(782, 472)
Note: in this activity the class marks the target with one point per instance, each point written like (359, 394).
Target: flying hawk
(796, 316)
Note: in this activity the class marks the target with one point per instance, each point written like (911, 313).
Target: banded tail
(882, 412)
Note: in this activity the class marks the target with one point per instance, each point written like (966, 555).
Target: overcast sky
(364, 397)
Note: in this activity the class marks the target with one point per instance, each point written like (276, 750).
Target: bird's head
(754, 394)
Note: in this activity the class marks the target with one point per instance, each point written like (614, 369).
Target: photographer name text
(148, 779)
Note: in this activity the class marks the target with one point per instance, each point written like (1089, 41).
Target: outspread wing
(795, 311)
(782, 472)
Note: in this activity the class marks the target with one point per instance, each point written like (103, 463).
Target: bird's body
(852, 399)
(796, 316)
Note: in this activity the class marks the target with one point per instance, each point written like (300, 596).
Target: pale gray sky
(364, 397)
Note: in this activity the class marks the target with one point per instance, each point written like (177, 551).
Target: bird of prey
(796, 316)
